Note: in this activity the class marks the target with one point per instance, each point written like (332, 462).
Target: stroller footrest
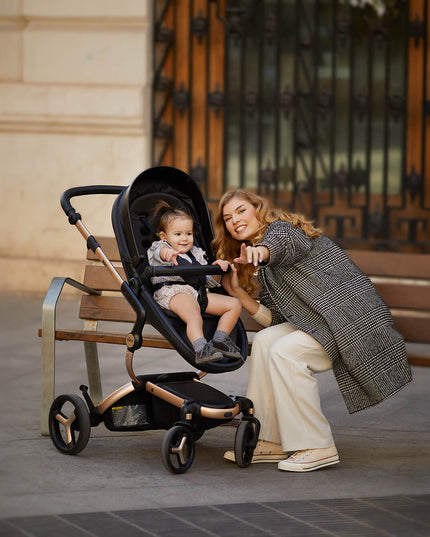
(205, 395)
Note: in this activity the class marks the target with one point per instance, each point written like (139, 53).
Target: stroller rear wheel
(245, 442)
(177, 449)
(69, 424)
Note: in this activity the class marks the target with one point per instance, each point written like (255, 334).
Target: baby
(188, 299)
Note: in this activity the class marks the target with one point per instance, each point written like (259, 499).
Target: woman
(321, 312)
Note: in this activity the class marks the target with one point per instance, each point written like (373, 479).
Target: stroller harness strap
(197, 282)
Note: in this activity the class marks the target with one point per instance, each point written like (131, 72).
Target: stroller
(178, 402)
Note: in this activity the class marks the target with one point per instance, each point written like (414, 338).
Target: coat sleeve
(286, 244)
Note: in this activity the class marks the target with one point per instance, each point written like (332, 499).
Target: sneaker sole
(209, 359)
(291, 467)
(261, 458)
(232, 355)
(268, 458)
(229, 354)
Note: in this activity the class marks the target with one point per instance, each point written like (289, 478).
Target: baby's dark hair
(165, 214)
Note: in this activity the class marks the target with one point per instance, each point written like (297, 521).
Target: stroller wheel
(177, 449)
(244, 443)
(69, 424)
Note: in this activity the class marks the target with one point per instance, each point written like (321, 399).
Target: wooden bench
(403, 280)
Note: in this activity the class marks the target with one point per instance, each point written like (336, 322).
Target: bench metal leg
(93, 368)
(48, 350)
(49, 312)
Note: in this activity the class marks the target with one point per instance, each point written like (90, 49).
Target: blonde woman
(321, 313)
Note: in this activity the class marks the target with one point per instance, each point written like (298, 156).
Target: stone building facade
(75, 85)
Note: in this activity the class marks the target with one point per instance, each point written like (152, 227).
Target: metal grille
(322, 105)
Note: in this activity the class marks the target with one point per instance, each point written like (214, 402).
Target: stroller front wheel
(177, 449)
(69, 424)
(245, 442)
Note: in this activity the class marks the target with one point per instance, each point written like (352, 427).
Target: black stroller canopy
(132, 213)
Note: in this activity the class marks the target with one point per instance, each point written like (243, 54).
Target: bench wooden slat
(249, 323)
(106, 308)
(98, 277)
(402, 295)
(414, 329)
(109, 247)
(399, 265)
(418, 359)
(96, 336)
(115, 338)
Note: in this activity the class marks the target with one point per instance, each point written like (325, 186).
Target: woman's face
(240, 219)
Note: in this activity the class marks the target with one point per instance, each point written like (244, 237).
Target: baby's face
(179, 234)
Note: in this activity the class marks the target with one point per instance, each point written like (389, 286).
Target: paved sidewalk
(118, 485)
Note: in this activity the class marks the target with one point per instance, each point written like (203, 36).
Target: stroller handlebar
(150, 272)
(85, 191)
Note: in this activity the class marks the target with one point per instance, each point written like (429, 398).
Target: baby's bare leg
(227, 308)
(187, 308)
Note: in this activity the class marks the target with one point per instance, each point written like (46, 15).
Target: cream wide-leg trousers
(284, 390)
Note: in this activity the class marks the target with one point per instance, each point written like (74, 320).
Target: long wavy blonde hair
(227, 247)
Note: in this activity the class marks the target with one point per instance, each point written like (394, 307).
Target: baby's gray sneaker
(208, 354)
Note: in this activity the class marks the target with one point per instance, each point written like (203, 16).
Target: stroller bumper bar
(151, 272)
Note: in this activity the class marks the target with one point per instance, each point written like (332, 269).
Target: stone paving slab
(394, 516)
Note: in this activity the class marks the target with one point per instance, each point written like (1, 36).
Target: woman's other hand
(230, 281)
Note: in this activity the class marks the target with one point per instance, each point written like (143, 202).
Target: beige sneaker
(264, 452)
(310, 459)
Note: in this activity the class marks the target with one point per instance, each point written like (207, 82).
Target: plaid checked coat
(314, 285)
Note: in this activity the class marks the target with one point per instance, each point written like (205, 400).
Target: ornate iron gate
(314, 103)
